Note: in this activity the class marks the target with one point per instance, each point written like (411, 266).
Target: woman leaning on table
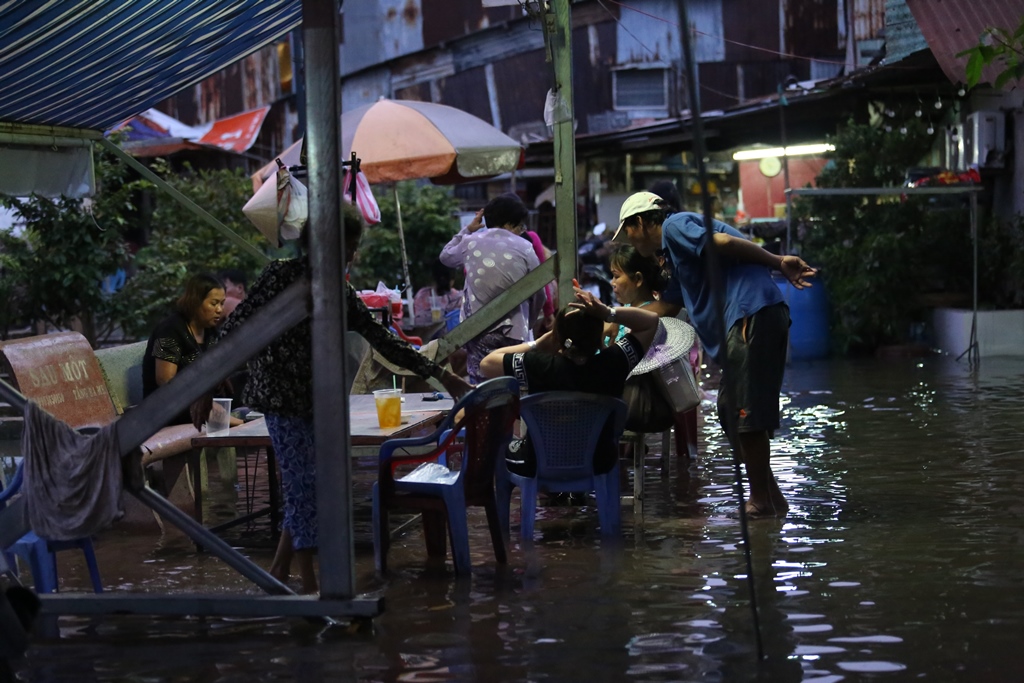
(280, 386)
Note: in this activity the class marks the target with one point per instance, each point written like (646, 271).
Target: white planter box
(1000, 333)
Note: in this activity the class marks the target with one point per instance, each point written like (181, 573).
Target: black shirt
(172, 341)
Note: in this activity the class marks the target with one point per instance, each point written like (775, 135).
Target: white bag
(679, 385)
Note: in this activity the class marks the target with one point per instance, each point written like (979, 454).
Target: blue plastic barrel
(809, 311)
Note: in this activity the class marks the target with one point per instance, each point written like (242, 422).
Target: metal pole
(975, 352)
(785, 168)
(558, 29)
(405, 256)
(326, 249)
(213, 543)
(717, 289)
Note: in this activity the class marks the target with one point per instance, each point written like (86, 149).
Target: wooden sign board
(60, 373)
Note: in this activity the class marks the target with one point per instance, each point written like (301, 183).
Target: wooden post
(558, 29)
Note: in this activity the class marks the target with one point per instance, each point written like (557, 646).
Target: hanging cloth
(73, 481)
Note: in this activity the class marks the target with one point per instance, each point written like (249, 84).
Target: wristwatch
(610, 318)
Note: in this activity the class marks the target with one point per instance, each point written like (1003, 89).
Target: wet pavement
(902, 558)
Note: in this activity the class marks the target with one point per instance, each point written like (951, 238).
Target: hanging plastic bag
(280, 210)
(365, 201)
(292, 204)
(394, 298)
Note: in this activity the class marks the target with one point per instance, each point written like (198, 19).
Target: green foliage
(181, 244)
(68, 246)
(878, 254)
(428, 225)
(1000, 46)
(1001, 263)
(52, 272)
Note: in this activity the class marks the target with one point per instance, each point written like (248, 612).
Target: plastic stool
(638, 439)
(40, 555)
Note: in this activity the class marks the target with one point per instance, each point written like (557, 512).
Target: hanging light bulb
(918, 112)
(931, 129)
(960, 91)
(903, 130)
(888, 128)
(938, 103)
(890, 113)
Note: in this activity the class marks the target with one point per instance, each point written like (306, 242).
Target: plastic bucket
(809, 311)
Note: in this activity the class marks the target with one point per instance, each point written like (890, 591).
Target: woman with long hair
(180, 338)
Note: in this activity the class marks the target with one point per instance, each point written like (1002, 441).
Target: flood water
(902, 558)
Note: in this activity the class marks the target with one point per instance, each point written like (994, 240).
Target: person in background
(235, 283)
(636, 280)
(441, 296)
(280, 386)
(180, 338)
(549, 289)
(570, 358)
(753, 352)
(686, 423)
(495, 257)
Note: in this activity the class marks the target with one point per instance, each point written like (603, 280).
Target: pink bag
(364, 197)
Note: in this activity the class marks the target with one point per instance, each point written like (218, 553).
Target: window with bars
(641, 88)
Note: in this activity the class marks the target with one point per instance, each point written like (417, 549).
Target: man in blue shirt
(756, 321)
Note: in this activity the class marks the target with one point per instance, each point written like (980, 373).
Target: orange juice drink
(389, 407)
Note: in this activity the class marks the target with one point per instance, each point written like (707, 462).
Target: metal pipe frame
(281, 314)
(972, 351)
(202, 213)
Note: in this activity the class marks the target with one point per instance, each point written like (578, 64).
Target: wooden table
(418, 416)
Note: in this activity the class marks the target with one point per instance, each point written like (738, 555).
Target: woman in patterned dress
(280, 386)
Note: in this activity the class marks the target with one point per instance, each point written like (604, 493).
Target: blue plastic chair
(442, 495)
(564, 428)
(40, 554)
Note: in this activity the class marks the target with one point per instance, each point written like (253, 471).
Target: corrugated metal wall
(869, 18)
(523, 103)
(812, 28)
(749, 25)
(253, 82)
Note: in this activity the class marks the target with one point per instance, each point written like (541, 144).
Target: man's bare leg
(765, 496)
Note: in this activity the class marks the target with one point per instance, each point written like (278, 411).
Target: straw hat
(671, 342)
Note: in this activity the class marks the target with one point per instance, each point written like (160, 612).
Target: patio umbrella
(405, 140)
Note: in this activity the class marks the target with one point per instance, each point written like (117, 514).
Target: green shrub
(428, 223)
(879, 254)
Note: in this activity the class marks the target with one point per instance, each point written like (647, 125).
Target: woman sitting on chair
(183, 336)
(570, 358)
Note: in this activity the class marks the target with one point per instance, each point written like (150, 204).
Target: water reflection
(902, 557)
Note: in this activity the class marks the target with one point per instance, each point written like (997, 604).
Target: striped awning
(94, 63)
